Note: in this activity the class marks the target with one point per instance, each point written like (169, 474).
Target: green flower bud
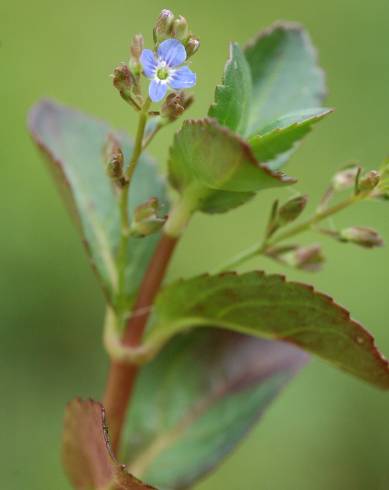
(192, 46)
(369, 181)
(146, 219)
(291, 210)
(163, 26)
(364, 237)
(180, 28)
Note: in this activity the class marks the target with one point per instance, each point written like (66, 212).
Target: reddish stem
(122, 376)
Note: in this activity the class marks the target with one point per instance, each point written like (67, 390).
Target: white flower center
(163, 72)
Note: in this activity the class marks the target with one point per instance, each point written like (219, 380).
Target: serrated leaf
(273, 144)
(209, 158)
(233, 97)
(285, 74)
(198, 398)
(268, 306)
(87, 454)
(73, 144)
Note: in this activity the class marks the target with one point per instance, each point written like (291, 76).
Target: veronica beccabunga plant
(195, 363)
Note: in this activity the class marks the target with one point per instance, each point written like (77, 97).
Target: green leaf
(73, 143)
(87, 454)
(268, 306)
(207, 158)
(198, 398)
(233, 97)
(285, 75)
(274, 143)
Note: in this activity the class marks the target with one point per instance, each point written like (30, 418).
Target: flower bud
(365, 237)
(192, 46)
(291, 210)
(114, 161)
(180, 29)
(175, 104)
(368, 181)
(163, 26)
(345, 179)
(308, 258)
(136, 47)
(146, 219)
(124, 81)
(122, 78)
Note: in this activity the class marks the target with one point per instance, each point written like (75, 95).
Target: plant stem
(123, 204)
(260, 249)
(122, 376)
(143, 116)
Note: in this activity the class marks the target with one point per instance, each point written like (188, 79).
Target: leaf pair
(269, 101)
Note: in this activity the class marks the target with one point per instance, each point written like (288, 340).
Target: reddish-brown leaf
(86, 453)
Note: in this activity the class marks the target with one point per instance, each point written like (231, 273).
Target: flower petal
(157, 90)
(149, 63)
(172, 51)
(183, 78)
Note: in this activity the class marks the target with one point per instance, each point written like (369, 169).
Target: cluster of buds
(126, 77)
(147, 219)
(351, 177)
(368, 185)
(372, 181)
(170, 26)
(165, 67)
(114, 161)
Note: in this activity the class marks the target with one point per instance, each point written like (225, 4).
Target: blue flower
(164, 69)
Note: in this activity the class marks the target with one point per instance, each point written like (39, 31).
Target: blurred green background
(327, 431)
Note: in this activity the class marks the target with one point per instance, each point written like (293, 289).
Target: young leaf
(233, 97)
(285, 75)
(198, 398)
(273, 144)
(86, 451)
(73, 144)
(209, 158)
(268, 306)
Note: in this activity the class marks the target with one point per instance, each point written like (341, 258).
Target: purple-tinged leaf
(87, 454)
(198, 398)
(73, 144)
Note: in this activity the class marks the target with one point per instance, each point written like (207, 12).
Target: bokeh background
(327, 430)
